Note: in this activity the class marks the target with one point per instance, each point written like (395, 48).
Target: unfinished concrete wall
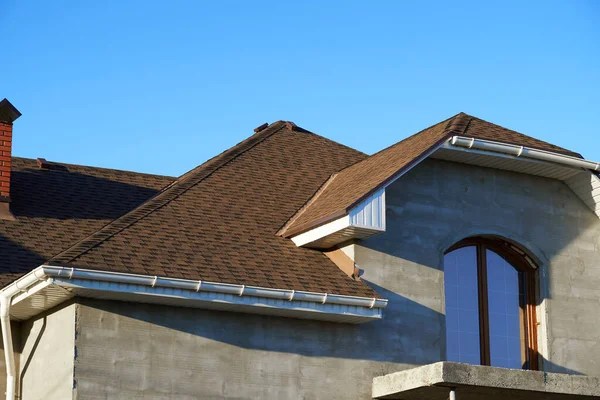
(130, 351)
(47, 355)
(439, 203)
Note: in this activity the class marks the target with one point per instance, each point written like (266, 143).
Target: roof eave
(56, 284)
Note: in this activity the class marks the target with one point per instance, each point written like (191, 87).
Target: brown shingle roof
(56, 207)
(349, 187)
(219, 221)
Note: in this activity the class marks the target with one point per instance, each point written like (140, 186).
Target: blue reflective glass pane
(504, 312)
(462, 306)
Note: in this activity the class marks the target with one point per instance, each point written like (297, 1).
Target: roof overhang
(475, 382)
(48, 286)
(579, 174)
(368, 218)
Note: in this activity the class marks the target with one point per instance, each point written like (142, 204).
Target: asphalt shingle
(350, 186)
(219, 221)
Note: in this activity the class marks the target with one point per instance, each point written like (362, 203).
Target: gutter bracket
(373, 303)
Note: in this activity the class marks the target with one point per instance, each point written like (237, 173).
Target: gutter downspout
(9, 354)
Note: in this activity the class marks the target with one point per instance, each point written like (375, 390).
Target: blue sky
(160, 87)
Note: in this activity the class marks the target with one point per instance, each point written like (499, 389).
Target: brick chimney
(8, 114)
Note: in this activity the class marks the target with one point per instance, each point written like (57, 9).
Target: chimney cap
(8, 112)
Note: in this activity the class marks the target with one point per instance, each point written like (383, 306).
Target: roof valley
(312, 199)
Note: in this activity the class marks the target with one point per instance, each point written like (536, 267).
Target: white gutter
(521, 151)
(215, 287)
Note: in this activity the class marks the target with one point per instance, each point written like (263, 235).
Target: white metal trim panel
(370, 213)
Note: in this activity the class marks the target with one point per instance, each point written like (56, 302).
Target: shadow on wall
(47, 351)
(24, 335)
(415, 343)
(549, 366)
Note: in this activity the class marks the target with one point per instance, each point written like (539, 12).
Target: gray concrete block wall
(439, 203)
(132, 350)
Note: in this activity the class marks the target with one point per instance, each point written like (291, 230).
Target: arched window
(489, 288)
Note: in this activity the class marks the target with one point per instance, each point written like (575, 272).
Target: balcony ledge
(472, 382)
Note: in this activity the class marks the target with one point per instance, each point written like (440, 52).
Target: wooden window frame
(528, 272)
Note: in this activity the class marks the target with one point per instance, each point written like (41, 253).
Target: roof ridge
(303, 130)
(398, 143)
(95, 167)
(457, 124)
(164, 197)
(448, 120)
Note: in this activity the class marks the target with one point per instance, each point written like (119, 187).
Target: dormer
(351, 204)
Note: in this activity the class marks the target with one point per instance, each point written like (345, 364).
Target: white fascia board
(354, 307)
(322, 231)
